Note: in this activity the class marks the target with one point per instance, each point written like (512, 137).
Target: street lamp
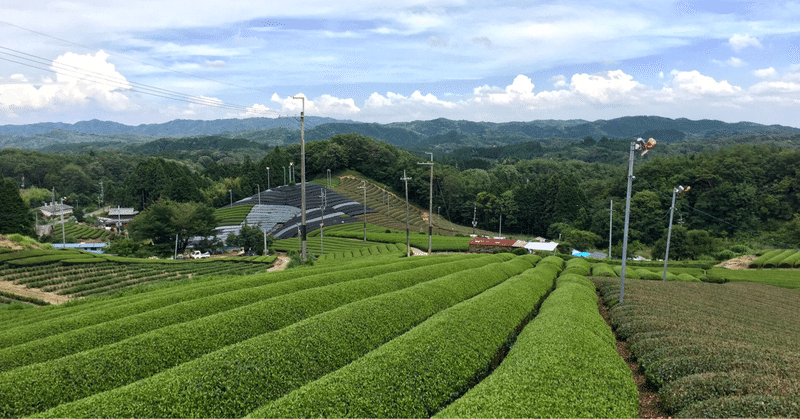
(644, 146)
(679, 190)
(364, 187)
(303, 251)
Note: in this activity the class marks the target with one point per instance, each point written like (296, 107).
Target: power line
(124, 84)
(130, 59)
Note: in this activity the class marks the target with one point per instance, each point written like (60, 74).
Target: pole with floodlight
(679, 190)
(364, 187)
(644, 146)
(302, 178)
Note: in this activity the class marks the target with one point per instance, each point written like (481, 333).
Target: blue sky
(144, 61)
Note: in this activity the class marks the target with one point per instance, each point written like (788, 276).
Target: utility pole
(231, 193)
(408, 236)
(269, 186)
(430, 205)
(474, 218)
(610, 223)
(364, 187)
(680, 189)
(101, 194)
(323, 198)
(259, 193)
(303, 177)
(176, 247)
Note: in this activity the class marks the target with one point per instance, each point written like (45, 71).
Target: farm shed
(485, 245)
(541, 247)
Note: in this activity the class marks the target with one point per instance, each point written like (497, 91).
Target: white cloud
(80, 80)
(730, 62)
(696, 84)
(740, 42)
(604, 87)
(323, 105)
(765, 73)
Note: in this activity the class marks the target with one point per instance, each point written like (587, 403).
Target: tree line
(740, 193)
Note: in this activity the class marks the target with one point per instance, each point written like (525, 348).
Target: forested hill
(442, 134)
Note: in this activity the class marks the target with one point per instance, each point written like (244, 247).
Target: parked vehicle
(200, 255)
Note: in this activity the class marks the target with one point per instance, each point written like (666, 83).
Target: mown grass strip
(418, 373)
(239, 378)
(564, 364)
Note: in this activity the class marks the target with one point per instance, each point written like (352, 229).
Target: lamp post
(680, 189)
(430, 205)
(323, 196)
(329, 178)
(639, 144)
(610, 224)
(364, 187)
(302, 177)
(268, 182)
(408, 237)
(63, 232)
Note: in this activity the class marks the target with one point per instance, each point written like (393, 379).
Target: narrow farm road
(33, 292)
(280, 264)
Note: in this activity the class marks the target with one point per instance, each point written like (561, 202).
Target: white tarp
(545, 247)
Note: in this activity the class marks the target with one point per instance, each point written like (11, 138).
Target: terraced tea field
(381, 335)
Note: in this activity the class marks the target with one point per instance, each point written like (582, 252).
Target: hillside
(442, 134)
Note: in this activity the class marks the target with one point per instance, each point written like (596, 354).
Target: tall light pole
(329, 178)
(364, 187)
(63, 232)
(408, 237)
(610, 223)
(323, 196)
(291, 172)
(231, 192)
(430, 205)
(474, 218)
(269, 186)
(284, 176)
(259, 193)
(302, 176)
(680, 189)
(643, 145)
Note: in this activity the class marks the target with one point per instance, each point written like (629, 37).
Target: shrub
(564, 362)
(423, 368)
(241, 377)
(603, 269)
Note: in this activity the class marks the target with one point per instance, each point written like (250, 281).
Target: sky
(152, 61)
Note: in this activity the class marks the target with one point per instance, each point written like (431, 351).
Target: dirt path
(648, 396)
(33, 292)
(280, 264)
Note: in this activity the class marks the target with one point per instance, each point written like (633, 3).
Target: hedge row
(15, 297)
(774, 261)
(91, 336)
(65, 318)
(239, 378)
(423, 369)
(759, 262)
(712, 349)
(564, 364)
(48, 384)
(579, 266)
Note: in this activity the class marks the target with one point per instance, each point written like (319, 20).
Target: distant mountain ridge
(442, 134)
